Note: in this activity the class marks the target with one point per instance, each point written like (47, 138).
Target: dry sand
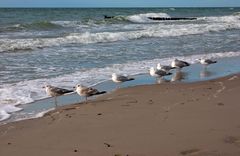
(196, 119)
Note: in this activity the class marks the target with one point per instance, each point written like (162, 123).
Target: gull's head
(47, 86)
(152, 69)
(114, 75)
(159, 66)
(78, 86)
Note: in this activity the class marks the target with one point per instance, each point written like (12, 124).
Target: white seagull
(206, 61)
(55, 91)
(120, 78)
(87, 91)
(164, 68)
(179, 64)
(158, 73)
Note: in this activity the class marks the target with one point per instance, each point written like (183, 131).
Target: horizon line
(33, 7)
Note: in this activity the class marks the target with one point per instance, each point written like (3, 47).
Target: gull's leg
(55, 101)
(118, 85)
(205, 67)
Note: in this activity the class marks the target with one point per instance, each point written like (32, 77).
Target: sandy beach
(199, 119)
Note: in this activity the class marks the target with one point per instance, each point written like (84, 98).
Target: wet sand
(191, 119)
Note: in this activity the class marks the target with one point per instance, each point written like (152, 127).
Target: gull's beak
(74, 87)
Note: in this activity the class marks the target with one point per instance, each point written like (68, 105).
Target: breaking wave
(211, 24)
(39, 25)
(144, 18)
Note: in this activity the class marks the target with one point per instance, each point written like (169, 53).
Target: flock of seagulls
(160, 71)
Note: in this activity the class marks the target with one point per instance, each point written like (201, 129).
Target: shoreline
(194, 73)
(201, 119)
(94, 98)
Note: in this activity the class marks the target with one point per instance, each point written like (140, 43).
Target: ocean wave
(236, 13)
(144, 18)
(42, 25)
(101, 37)
(137, 18)
(209, 24)
(234, 18)
(38, 25)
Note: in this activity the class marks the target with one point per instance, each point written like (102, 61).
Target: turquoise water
(63, 47)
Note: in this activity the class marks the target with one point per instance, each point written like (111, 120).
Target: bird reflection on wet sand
(179, 76)
(161, 80)
(205, 73)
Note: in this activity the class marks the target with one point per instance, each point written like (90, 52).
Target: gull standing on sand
(179, 64)
(164, 67)
(87, 91)
(158, 73)
(55, 91)
(120, 78)
(206, 62)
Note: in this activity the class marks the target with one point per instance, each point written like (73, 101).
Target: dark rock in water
(108, 17)
(171, 18)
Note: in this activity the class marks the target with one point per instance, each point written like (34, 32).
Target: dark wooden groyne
(171, 18)
(161, 18)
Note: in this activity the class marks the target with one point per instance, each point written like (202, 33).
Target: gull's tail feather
(130, 79)
(61, 91)
(187, 64)
(102, 92)
(69, 91)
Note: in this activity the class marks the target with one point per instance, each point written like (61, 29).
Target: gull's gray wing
(60, 91)
(123, 78)
(208, 61)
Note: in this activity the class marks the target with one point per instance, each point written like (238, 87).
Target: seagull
(164, 68)
(120, 78)
(179, 64)
(158, 73)
(87, 91)
(206, 62)
(55, 91)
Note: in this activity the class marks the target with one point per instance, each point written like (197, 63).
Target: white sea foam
(6, 110)
(41, 114)
(4, 115)
(75, 24)
(219, 19)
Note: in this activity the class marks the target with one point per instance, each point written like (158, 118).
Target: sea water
(64, 47)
